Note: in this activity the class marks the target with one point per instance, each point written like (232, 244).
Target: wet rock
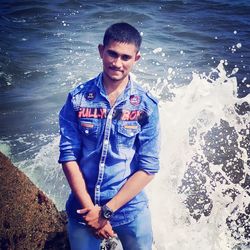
(242, 108)
(28, 218)
(239, 224)
(234, 169)
(245, 141)
(223, 166)
(193, 186)
(223, 147)
(221, 143)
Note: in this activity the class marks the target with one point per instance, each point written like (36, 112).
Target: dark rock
(221, 143)
(193, 185)
(224, 163)
(28, 218)
(242, 108)
(239, 224)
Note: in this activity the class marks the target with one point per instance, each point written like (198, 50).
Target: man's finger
(108, 235)
(105, 235)
(111, 234)
(83, 211)
(110, 231)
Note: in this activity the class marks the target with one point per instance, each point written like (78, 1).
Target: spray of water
(200, 199)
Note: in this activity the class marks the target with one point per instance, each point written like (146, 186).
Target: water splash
(200, 199)
(44, 171)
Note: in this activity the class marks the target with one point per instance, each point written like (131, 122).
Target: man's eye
(112, 54)
(125, 58)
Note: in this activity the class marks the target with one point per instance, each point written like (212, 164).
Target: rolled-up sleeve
(149, 141)
(70, 141)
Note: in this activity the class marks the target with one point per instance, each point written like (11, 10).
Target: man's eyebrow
(114, 52)
(110, 50)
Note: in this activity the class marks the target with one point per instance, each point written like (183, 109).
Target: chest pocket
(127, 131)
(89, 127)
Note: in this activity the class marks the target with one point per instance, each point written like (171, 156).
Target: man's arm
(78, 186)
(130, 189)
(70, 152)
(77, 183)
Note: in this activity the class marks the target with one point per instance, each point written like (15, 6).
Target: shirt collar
(99, 84)
(129, 90)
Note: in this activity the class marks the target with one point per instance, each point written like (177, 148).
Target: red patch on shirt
(135, 100)
(97, 113)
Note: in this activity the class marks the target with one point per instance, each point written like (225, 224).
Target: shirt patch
(90, 96)
(87, 125)
(130, 115)
(130, 126)
(119, 114)
(135, 100)
(97, 113)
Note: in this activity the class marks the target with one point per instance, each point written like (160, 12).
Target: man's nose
(117, 62)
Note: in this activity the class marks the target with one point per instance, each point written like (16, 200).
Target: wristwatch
(106, 212)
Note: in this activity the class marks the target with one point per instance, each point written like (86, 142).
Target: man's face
(118, 59)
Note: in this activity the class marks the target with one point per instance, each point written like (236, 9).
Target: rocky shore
(28, 218)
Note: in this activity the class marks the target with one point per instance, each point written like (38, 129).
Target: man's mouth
(115, 69)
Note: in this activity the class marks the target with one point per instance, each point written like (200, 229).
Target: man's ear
(137, 56)
(101, 49)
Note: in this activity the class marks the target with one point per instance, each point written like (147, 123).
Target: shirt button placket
(103, 157)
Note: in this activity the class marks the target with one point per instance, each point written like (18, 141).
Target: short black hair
(124, 33)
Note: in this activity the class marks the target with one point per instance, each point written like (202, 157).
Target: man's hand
(105, 232)
(92, 217)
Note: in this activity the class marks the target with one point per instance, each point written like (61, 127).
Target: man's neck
(114, 88)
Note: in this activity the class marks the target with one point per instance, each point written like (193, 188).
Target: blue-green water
(48, 47)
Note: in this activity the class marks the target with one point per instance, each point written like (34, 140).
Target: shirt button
(97, 187)
(86, 131)
(106, 142)
(102, 165)
(131, 133)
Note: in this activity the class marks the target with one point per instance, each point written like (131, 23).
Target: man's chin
(116, 78)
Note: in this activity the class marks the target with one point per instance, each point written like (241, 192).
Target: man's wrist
(106, 212)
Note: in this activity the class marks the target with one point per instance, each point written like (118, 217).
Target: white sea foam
(201, 104)
(5, 148)
(157, 50)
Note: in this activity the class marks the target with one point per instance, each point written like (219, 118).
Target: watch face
(106, 212)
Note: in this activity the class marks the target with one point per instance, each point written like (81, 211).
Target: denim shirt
(109, 143)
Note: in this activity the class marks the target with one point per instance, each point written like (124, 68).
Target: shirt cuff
(68, 156)
(149, 164)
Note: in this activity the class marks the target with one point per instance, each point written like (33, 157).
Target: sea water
(195, 59)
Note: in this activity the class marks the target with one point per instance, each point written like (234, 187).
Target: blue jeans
(136, 235)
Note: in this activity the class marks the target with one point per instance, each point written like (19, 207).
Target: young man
(109, 149)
